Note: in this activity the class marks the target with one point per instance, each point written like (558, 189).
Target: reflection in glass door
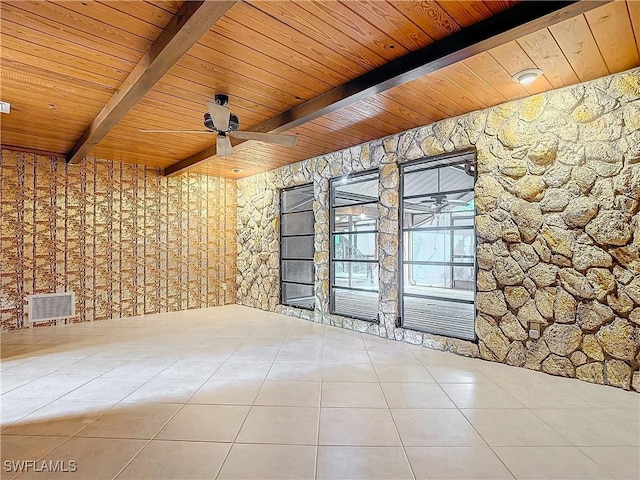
(438, 246)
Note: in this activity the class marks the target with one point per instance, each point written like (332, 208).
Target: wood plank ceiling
(61, 62)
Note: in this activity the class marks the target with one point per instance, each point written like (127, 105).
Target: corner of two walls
(125, 239)
(558, 228)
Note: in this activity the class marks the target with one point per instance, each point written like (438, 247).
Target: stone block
(508, 272)
(543, 274)
(619, 339)
(512, 328)
(528, 314)
(555, 200)
(578, 358)
(528, 218)
(559, 240)
(491, 303)
(591, 372)
(587, 256)
(564, 307)
(576, 283)
(603, 282)
(610, 227)
(592, 348)
(536, 352)
(557, 365)
(580, 211)
(516, 296)
(544, 300)
(618, 374)
(562, 339)
(493, 338)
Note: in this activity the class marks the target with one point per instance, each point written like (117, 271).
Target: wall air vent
(51, 306)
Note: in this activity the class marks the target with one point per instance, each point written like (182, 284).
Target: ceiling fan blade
(458, 202)
(220, 116)
(223, 146)
(278, 139)
(176, 131)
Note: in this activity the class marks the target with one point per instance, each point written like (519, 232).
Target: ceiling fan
(439, 201)
(220, 121)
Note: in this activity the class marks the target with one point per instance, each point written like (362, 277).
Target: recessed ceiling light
(236, 170)
(525, 77)
(5, 107)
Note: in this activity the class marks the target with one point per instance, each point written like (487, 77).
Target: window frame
(284, 259)
(332, 232)
(434, 163)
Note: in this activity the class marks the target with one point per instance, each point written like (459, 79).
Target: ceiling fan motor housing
(222, 99)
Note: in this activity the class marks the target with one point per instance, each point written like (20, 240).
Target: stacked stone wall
(558, 228)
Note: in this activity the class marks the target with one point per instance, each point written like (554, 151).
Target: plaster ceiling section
(61, 62)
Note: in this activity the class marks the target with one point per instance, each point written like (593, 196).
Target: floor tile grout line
(2, 427)
(441, 384)
(491, 447)
(131, 459)
(52, 449)
(501, 460)
(480, 435)
(395, 426)
(539, 417)
(604, 467)
(148, 441)
(67, 393)
(12, 389)
(471, 424)
(248, 413)
(317, 457)
(153, 437)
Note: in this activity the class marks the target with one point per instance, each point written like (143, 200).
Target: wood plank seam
(506, 26)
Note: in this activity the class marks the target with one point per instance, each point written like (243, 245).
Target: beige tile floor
(237, 393)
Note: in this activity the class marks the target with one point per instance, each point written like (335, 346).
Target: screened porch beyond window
(296, 247)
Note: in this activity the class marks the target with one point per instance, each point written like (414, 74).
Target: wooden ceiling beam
(515, 22)
(187, 26)
(34, 151)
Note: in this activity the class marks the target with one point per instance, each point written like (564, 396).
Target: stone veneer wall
(125, 239)
(557, 195)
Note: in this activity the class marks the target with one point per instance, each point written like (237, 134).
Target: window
(296, 247)
(354, 246)
(438, 277)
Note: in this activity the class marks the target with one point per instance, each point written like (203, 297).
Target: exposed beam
(34, 151)
(508, 25)
(187, 26)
